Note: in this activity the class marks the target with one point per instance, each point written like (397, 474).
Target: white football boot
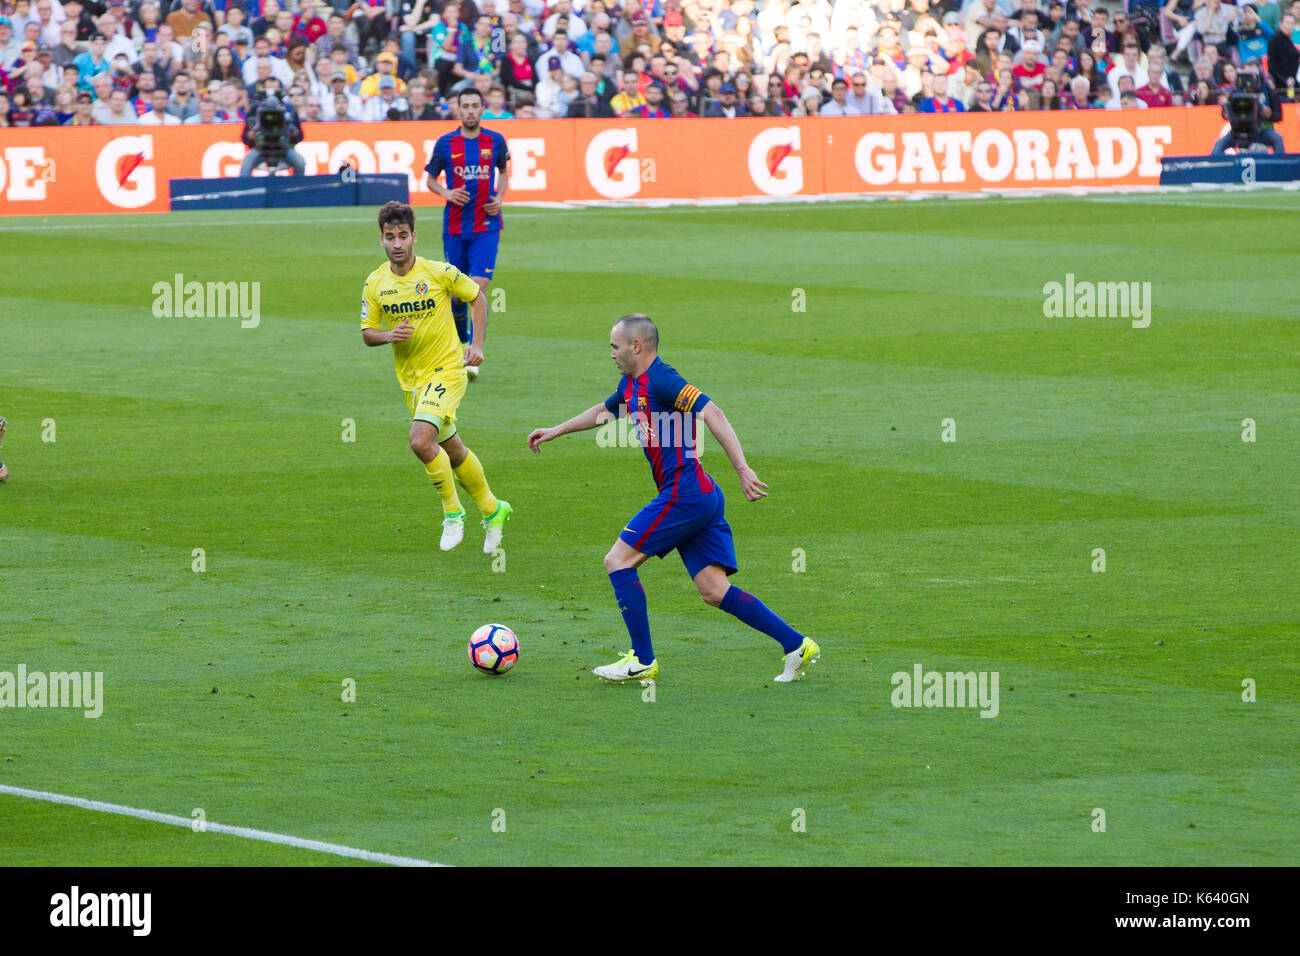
(628, 667)
(453, 530)
(797, 660)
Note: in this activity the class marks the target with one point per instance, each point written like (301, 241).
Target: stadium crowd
(165, 62)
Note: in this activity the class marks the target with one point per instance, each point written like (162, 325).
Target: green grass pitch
(1120, 691)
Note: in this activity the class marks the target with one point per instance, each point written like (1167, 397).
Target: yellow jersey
(422, 297)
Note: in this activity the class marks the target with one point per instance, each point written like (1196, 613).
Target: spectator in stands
(1079, 95)
(385, 101)
(183, 103)
(118, 112)
(207, 113)
(1153, 91)
(370, 17)
(145, 84)
(420, 107)
(1283, 55)
(1100, 30)
(67, 49)
(234, 26)
(570, 62)
(838, 105)
(588, 104)
(157, 114)
(1204, 94)
(307, 23)
(228, 110)
(92, 63)
(1029, 72)
(184, 19)
(681, 105)
(1006, 96)
(653, 107)
(1128, 66)
(83, 115)
(341, 109)
(939, 101)
(517, 72)
(726, 105)
(983, 97)
(1046, 97)
(336, 37)
(1210, 25)
(549, 89)
(1126, 95)
(629, 96)
(224, 66)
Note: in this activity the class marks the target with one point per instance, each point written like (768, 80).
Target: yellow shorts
(436, 400)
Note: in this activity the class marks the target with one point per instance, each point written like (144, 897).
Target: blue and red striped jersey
(470, 163)
(663, 406)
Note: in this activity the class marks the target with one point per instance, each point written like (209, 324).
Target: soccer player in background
(688, 514)
(406, 303)
(4, 472)
(469, 158)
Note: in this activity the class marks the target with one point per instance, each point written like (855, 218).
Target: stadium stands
(87, 62)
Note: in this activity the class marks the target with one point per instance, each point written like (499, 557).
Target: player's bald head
(637, 327)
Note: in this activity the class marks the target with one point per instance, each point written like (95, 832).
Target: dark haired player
(406, 303)
(688, 514)
(470, 158)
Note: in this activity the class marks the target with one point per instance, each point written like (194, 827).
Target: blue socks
(631, 601)
(755, 613)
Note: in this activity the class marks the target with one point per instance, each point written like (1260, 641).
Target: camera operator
(271, 130)
(1252, 108)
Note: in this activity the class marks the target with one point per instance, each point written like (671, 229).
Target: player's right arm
(435, 167)
(591, 418)
(399, 333)
(371, 333)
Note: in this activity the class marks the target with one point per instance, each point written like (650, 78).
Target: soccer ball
(493, 649)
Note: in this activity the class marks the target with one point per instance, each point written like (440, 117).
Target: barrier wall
(126, 169)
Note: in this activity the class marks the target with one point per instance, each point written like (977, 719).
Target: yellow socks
(470, 474)
(441, 475)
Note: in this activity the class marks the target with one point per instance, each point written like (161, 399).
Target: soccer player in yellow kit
(406, 303)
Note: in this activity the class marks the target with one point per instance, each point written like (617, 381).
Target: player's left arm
(713, 416)
(494, 204)
(467, 290)
(502, 163)
(478, 319)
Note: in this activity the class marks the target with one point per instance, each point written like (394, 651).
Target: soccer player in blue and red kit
(470, 158)
(688, 514)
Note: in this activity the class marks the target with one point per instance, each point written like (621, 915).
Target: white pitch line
(1190, 203)
(161, 224)
(208, 827)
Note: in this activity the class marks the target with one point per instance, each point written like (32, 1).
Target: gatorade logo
(123, 172)
(611, 163)
(774, 163)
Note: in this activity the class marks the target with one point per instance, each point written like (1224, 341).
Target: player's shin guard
(470, 474)
(631, 601)
(755, 613)
(441, 475)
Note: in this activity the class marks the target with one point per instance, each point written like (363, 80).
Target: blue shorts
(695, 527)
(475, 254)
